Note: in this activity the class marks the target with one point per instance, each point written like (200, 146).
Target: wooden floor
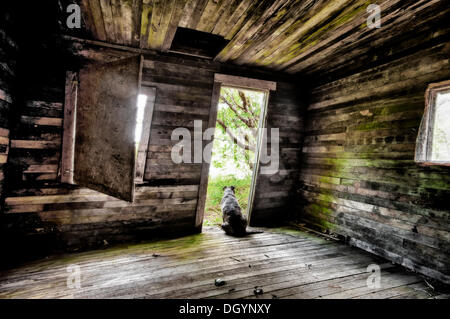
(284, 263)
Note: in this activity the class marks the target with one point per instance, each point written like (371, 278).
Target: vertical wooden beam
(68, 143)
(205, 166)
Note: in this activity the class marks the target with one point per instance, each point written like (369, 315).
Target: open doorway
(240, 114)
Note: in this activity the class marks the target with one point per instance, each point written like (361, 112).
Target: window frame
(424, 141)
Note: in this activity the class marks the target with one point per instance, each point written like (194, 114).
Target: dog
(234, 223)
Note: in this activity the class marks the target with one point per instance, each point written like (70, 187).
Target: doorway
(237, 140)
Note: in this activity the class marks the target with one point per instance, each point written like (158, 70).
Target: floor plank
(284, 262)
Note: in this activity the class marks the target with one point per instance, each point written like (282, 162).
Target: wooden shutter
(104, 152)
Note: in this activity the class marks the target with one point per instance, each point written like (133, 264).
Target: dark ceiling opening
(197, 43)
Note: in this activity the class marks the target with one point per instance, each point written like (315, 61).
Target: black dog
(234, 223)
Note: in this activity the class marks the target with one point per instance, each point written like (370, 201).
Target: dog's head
(228, 188)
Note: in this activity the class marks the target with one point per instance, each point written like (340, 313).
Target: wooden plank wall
(358, 177)
(183, 94)
(8, 61)
(38, 204)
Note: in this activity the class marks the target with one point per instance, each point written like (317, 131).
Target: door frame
(237, 82)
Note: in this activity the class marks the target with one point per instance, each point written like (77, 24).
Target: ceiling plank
(329, 40)
(87, 18)
(254, 10)
(108, 20)
(356, 43)
(155, 21)
(237, 14)
(136, 18)
(210, 15)
(251, 27)
(298, 29)
(126, 8)
(197, 14)
(118, 21)
(146, 18)
(230, 8)
(292, 36)
(187, 13)
(174, 21)
(160, 23)
(284, 57)
(94, 9)
(217, 15)
(273, 29)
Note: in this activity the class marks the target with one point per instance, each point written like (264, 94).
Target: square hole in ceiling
(197, 43)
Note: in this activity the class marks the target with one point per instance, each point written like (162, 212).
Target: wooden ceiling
(292, 36)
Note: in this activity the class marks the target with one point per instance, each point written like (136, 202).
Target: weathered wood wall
(8, 61)
(39, 205)
(358, 176)
(184, 95)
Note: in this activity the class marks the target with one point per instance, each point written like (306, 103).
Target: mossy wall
(358, 175)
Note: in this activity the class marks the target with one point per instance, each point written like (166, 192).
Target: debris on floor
(219, 282)
(258, 291)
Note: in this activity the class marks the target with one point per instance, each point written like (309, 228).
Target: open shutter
(105, 123)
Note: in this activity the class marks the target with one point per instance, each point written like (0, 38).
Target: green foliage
(238, 112)
(213, 213)
(243, 108)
